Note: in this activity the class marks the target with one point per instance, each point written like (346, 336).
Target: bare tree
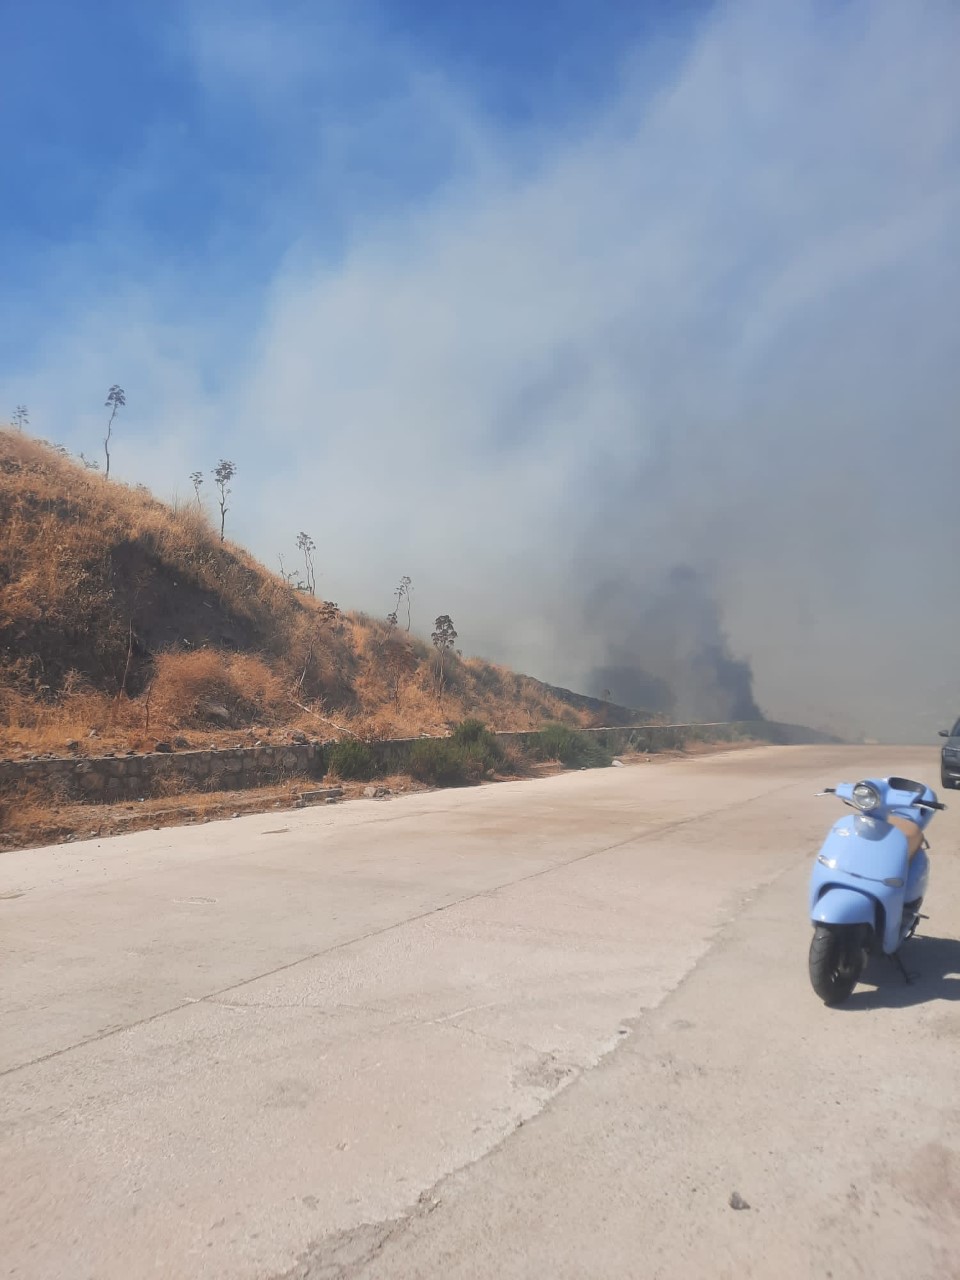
(402, 592)
(401, 663)
(443, 638)
(407, 585)
(298, 684)
(308, 547)
(196, 479)
(221, 477)
(90, 463)
(116, 399)
(132, 641)
(122, 691)
(21, 418)
(290, 578)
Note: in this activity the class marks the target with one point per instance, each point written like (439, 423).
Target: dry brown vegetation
(126, 618)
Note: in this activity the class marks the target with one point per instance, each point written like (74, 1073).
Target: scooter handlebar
(920, 804)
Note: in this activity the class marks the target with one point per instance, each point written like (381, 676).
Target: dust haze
(665, 405)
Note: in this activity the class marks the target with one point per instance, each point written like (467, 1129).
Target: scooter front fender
(837, 905)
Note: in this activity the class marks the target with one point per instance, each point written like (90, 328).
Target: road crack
(188, 1002)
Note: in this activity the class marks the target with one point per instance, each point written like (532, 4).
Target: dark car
(950, 757)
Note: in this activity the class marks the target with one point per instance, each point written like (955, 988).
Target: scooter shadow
(934, 968)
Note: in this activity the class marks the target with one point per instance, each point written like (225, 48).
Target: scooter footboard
(839, 905)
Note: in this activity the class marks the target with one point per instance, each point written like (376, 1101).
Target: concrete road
(538, 1029)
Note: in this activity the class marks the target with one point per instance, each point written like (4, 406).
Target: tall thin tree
(307, 545)
(443, 638)
(116, 399)
(406, 585)
(221, 477)
(402, 592)
(21, 417)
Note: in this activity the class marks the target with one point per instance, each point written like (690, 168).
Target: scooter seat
(911, 830)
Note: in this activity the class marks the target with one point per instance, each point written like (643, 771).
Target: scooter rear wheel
(837, 958)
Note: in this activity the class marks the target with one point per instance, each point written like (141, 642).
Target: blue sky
(158, 136)
(518, 299)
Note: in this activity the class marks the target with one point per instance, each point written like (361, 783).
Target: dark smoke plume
(667, 651)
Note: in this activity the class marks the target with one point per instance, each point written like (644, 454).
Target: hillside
(123, 619)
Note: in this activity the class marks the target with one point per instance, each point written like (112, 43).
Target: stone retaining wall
(132, 777)
(108, 778)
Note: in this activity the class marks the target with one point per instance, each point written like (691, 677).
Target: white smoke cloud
(715, 328)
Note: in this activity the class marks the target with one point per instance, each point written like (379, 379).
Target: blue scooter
(869, 880)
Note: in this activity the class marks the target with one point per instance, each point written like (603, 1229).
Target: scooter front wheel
(837, 958)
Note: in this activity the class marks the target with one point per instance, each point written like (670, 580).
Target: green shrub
(470, 731)
(480, 745)
(471, 754)
(483, 748)
(569, 746)
(352, 761)
(439, 762)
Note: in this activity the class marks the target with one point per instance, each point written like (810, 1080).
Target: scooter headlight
(865, 797)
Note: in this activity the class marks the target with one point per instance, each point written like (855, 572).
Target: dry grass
(32, 818)
(126, 618)
(189, 689)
